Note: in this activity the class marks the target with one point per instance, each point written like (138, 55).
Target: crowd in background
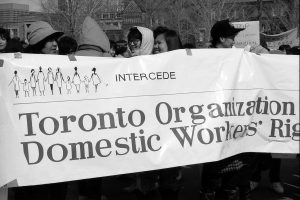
(232, 178)
(93, 35)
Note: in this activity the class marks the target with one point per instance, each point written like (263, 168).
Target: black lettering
(81, 124)
(64, 152)
(29, 122)
(121, 146)
(82, 150)
(99, 147)
(40, 151)
(66, 124)
(55, 125)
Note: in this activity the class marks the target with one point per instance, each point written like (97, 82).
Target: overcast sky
(34, 5)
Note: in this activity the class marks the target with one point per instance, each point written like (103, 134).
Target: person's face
(134, 45)
(3, 43)
(50, 47)
(160, 44)
(227, 42)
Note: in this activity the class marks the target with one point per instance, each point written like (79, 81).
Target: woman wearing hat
(223, 34)
(42, 38)
(231, 174)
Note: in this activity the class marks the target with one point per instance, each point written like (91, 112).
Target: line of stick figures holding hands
(40, 80)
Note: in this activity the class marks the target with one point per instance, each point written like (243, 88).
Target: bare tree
(180, 18)
(283, 15)
(68, 15)
(177, 12)
(207, 12)
(151, 8)
(275, 17)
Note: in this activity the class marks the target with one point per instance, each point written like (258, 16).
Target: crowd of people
(232, 178)
(43, 39)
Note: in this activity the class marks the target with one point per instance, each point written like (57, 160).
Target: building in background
(110, 19)
(117, 16)
(16, 18)
(132, 15)
(186, 16)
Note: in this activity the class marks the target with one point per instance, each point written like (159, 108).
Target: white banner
(67, 120)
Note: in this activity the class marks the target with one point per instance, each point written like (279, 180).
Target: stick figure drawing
(76, 80)
(86, 82)
(16, 81)
(68, 85)
(95, 78)
(32, 81)
(50, 79)
(41, 81)
(26, 88)
(59, 79)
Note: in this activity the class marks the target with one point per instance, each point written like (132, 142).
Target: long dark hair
(172, 37)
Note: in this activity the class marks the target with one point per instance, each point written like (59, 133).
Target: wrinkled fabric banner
(98, 117)
(290, 37)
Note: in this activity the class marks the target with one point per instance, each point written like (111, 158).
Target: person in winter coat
(42, 40)
(232, 174)
(140, 41)
(93, 42)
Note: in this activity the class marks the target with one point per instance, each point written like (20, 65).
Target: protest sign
(100, 117)
(290, 37)
(249, 36)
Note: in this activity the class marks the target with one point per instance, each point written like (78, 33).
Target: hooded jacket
(93, 40)
(147, 41)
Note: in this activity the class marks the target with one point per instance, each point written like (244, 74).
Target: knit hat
(40, 30)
